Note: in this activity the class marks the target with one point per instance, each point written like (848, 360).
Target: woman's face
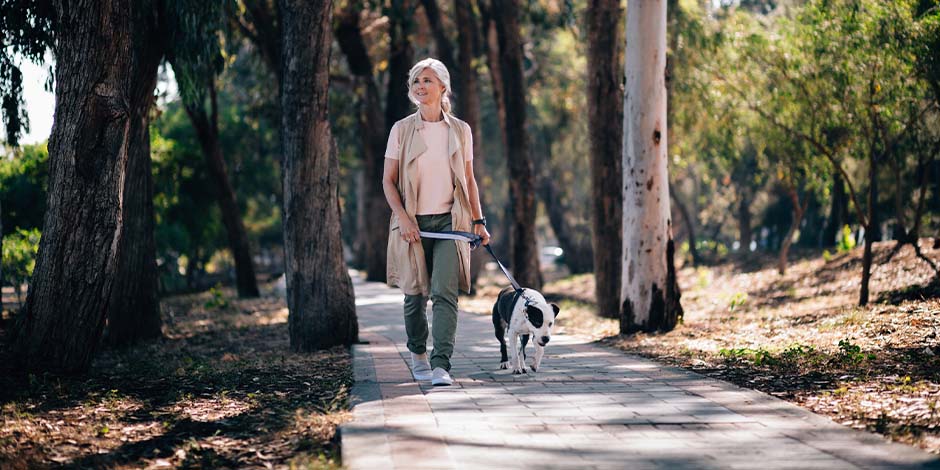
(427, 88)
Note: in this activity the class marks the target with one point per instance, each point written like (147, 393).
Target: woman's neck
(431, 113)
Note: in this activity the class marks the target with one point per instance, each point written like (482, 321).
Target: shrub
(19, 257)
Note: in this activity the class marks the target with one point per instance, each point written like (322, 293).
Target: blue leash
(474, 240)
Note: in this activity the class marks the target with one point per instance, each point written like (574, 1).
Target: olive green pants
(441, 258)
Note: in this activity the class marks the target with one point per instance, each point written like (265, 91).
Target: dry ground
(800, 337)
(221, 390)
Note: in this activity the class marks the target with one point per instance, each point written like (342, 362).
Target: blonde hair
(443, 75)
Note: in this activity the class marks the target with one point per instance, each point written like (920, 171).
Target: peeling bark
(649, 290)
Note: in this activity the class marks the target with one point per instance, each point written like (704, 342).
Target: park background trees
(791, 126)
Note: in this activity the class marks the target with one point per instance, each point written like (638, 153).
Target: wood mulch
(220, 390)
(801, 336)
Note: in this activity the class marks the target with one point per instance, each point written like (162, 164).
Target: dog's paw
(534, 368)
(519, 371)
(504, 365)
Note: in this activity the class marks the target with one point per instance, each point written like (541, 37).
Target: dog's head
(541, 315)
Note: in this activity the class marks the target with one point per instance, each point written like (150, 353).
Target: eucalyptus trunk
(605, 115)
(319, 290)
(650, 292)
(104, 80)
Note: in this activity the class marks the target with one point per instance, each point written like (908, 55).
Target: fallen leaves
(220, 390)
(801, 337)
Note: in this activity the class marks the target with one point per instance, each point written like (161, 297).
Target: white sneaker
(441, 377)
(420, 367)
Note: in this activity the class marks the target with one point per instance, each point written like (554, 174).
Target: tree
(195, 55)
(605, 113)
(134, 312)
(468, 105)
(525, 258)
(650, 292)
(400, 58)
(845, 84)
(106, 57)
(319, 290)
(464, 83)
(373, 133)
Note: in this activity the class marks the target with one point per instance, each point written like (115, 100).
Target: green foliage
(195, 48)
(19, 256)
(759, 356)
(846, 240)
(852, 353)
(737, 300)
(217, 299)
(189, 228)
(797, 352)
(23, 184)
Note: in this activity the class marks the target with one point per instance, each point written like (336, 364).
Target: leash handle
(474, 240)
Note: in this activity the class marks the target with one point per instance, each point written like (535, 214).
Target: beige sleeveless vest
(406, 264)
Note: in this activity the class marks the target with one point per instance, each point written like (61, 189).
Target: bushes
(19, 258)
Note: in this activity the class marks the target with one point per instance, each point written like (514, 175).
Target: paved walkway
(588, 407)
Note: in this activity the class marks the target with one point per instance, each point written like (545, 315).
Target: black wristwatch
(480, 221)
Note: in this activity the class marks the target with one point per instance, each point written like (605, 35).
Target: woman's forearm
(474, 192)
(393, 198)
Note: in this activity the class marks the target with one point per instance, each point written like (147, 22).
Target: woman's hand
(408, 229)
(480, 230)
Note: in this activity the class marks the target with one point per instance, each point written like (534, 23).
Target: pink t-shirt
(433, 180)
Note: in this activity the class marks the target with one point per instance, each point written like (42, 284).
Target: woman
(429, 184)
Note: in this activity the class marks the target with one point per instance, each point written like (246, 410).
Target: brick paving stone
(588, 407)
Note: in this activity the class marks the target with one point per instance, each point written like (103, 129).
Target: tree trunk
(525, 254)
(400, 60)
(445, 49)
(134, 312)
(870, 235)
(650, 292)
(798, 210)
(574, 241)
(373, 134)
(744, 221)
(838, 211)
(259, 23)
(101, 86)
(468, 106)
(689, 225)
(504, 230)
(319, 290)
(605, 115)
(207, 130)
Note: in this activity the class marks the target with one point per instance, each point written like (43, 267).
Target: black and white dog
(522, 313)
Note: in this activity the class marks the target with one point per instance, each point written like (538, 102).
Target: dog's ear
(556, 309)
(535, 316)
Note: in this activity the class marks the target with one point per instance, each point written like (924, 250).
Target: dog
(522, 313)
